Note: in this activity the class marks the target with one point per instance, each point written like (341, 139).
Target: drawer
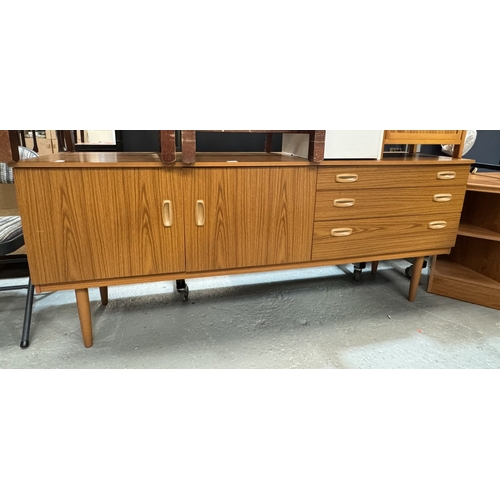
(388, 177)
(363, 203)
(356, 239)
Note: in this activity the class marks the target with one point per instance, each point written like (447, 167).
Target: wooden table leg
(167, 146)
(374, 267)
(83, 304)
(103, 290)
(188, 141)
(415, 277)
(317, 145)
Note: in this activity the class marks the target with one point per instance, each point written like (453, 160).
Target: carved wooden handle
(346, 177)
(442, 197)
(341, 231)
(446, 175)
(344, 202)
(166, 212)
(437, 224)
(200, 213)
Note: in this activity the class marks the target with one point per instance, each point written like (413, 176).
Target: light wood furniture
(471, 272)
(415, 137)
(101, 219)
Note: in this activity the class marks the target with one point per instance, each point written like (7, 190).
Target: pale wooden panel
(384, 235)
(363, 203)
(423, 136)
(253, 216)
(99, 223)
(393, 177)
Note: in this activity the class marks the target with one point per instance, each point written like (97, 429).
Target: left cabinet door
(98, 223)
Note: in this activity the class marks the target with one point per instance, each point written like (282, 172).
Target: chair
(12, 239)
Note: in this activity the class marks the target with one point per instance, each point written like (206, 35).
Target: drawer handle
(166, 213)
(437, 224)
(341, 231)
(442, 197)
(446, 175)
(344, 202)
(346, 177)
(200, 213)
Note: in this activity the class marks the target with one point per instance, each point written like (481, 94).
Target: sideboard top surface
(132, 160)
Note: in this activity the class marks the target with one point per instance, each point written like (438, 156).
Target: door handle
(200, 213)
(346, 177)
(166, 213)
(437, 224)
(442, 197)
(341, 231)
(446, 175)
(344, 202)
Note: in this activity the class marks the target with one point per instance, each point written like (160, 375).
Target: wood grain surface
(254, 216)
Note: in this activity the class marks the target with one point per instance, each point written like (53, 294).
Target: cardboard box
(8, 200)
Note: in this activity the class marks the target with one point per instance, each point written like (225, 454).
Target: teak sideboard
(102, 219)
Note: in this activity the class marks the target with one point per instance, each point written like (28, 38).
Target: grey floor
(313, 318)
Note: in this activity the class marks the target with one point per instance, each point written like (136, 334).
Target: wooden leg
(83, 304)
(374, 267)
(317, 145)
(269, 142)
(103, 290)
(415, 277)
(167, 146)
(188, 140)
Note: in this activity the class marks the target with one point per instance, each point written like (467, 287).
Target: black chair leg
(25, 339)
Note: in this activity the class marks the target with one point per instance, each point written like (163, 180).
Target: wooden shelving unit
(471, 272)
(416, 137)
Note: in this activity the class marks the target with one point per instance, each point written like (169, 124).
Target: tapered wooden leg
(103, 290)
(374, 267)
(415, 277)
(188, 141)
(83, 304)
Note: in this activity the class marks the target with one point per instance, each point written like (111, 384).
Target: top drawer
(398, 176)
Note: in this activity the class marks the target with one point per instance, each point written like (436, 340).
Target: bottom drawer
(353, 239)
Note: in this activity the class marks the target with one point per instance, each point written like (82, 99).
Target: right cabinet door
(248, 216)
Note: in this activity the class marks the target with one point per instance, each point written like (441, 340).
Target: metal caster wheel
(183, 289)
(408, 271)
(358, 269)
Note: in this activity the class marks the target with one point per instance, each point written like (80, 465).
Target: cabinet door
(97, 223)
(245, 217)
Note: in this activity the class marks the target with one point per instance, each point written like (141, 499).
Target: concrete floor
(312, 318)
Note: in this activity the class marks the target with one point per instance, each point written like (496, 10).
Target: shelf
(486, 182)
(453, 271)
(477, 232)
(458, 282)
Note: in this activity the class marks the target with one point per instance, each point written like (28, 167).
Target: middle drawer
(361, 203)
